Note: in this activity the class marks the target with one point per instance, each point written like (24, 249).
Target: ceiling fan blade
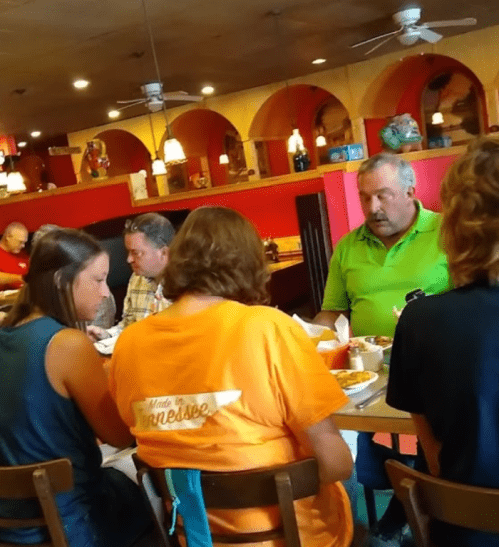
(132, 101)
(376, 38)
(182, 97)
(468, 22)
(127, 106)
(429, 35)
(379, 45)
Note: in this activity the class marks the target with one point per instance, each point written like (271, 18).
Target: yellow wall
(353, 85)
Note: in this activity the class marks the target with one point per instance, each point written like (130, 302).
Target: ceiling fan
(154, 97)
(410, 32)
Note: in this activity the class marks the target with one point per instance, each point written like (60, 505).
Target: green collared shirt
(369, 280)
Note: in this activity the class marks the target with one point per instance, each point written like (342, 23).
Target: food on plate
(325, 336)
(383, 341)
(347, 378)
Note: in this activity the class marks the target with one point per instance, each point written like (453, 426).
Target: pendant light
(173, 150)
(437, 118)
(320, 141)
(158, 165)
(301, 159)
(15, 181)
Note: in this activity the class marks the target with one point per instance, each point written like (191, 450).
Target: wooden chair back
(242, 490)
(38, 481)
(425, 498)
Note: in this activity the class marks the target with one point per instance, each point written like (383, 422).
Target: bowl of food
(353, 381)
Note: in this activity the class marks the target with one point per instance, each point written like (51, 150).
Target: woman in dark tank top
(55, 400)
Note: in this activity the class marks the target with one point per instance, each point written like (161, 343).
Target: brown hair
(470, 201)
(57, 259)
(217, 252)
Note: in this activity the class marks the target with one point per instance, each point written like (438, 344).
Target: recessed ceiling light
(114, 113)
(81, 84)
(207, 90)
(318, 61)
(21, 144)
(35, 134)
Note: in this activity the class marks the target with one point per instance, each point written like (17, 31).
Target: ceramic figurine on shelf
(271, 250)
(401, 134)
(95, 155)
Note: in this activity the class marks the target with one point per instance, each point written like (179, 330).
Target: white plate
(356, 387)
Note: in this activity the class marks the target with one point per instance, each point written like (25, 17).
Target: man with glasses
(147, 238)
(13, 262)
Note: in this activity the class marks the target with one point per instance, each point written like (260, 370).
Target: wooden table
(377, 416)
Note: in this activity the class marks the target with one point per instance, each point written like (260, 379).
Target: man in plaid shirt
(147, 238)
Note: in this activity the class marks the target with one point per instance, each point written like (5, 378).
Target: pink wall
(429, 174)
(334, 189)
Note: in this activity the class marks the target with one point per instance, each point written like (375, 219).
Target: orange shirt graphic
(232, 387)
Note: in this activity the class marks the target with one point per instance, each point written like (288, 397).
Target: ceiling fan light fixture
(158, 167)
(174, 152)
(295, 142)
(224, 159)
(113, 114)
(15, 182)
(409, 37)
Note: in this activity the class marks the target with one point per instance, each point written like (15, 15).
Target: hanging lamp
(158, 165)
(15, 181)
(173, 151)
(301, 159)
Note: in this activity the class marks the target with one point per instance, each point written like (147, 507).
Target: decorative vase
(301, 160)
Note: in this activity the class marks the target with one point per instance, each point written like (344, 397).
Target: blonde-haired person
(55, 399)
(444, 366)
(246, 386)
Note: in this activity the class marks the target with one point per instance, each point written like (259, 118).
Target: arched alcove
(205, 135)
(127, 154)
(314, 110)
(401, 88)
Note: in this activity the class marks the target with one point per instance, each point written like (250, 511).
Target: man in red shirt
(13, 262)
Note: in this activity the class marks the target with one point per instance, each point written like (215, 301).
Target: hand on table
(96, 333)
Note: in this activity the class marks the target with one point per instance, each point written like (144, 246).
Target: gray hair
(44, 229)
(406, 176)
(158, 229)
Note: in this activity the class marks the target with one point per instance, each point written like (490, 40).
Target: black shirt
(445, 366)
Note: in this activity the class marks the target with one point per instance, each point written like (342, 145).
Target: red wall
(271, 209)
(278, 158)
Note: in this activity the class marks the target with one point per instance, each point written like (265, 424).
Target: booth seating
(110, 233)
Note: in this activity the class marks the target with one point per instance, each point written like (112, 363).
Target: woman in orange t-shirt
(219, 382)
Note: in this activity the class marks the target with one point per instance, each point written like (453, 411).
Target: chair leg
(370, 506)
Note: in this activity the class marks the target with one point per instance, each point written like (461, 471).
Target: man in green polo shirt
(373, 267)
(394, 252)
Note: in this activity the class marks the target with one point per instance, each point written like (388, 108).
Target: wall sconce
(224, 159)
